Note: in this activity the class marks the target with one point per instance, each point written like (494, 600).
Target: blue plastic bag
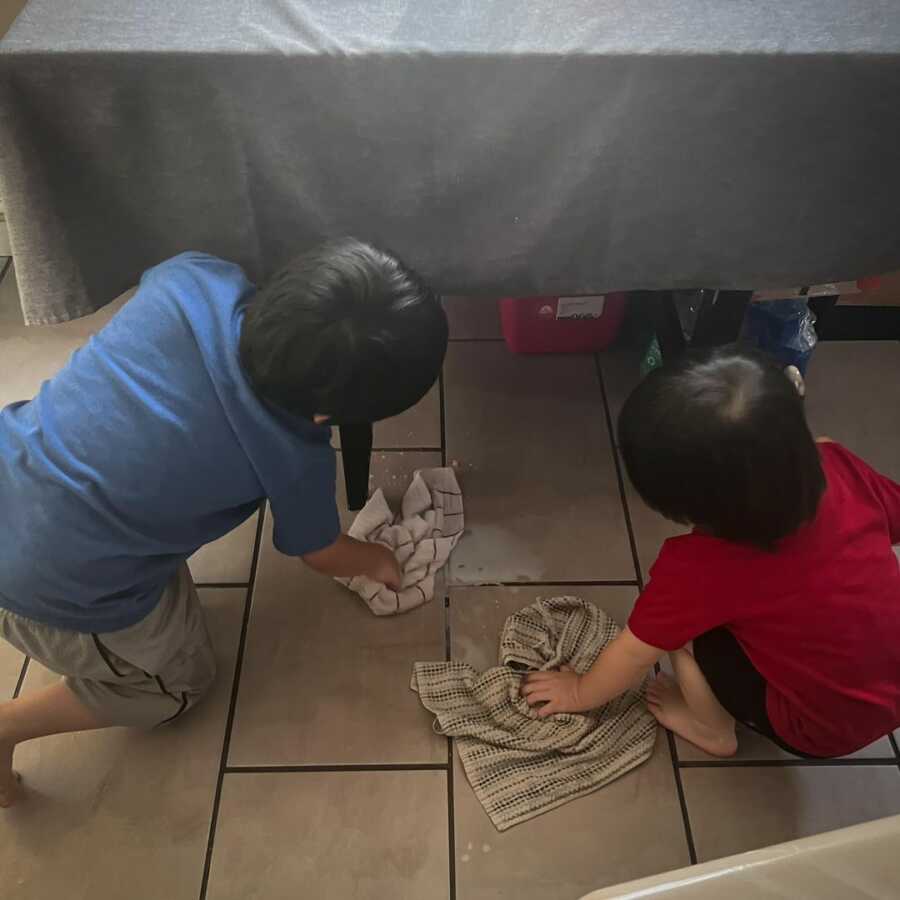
(785, 329)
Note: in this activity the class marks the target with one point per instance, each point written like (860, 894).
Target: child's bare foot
(666, 702)
(10, 782)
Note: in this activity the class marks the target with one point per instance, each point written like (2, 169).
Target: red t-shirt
(819, 618)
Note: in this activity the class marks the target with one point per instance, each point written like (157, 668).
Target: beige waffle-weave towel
(518, 764)
(427, 529)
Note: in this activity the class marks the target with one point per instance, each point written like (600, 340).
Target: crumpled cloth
(427, 529)
(518, 764)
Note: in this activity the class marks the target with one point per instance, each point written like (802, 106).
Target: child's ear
(319, 419)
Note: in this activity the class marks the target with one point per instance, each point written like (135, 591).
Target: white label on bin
(580, 307)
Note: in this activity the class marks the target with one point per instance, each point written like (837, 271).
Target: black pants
(737, 685)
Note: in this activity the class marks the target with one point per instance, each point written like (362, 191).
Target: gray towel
(518, 764)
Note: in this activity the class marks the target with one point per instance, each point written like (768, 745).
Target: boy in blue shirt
(201, 396)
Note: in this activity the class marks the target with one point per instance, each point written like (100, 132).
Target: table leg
(356, 451)
(721, 318)
(666, 324)
(719, 321)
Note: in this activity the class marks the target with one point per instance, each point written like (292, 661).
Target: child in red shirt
(781, 609)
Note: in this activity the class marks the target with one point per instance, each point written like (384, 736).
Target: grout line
(235, 686)
(673, 750)
(443, 417)
(840, 763)
(451, 823)
(451, 826)
(619, 476)
(447, 627)
(682, 798)
(21, 679)
(405, 449)
(221, 584)
(336, 768)
(893, 741)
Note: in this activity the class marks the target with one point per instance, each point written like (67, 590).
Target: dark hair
(344, 330)
(719, 440)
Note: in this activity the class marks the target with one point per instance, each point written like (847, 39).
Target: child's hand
(559, 692)
(386, 569)
(348, 557)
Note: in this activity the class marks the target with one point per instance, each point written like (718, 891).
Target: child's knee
(206, 679)
(185, 682)
(201, 678)
(687, 651)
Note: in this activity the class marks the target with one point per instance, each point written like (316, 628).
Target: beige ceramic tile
(325, 681)
(851, 396)
(29, 356)
(227, 560)
(9, 9)
(628, 829)
(734, 809)
(122, 813)
(360, 835)
(392, 472)
(10, 668)
(418, 427)
(475, 318)
(529, 439)
(10, 308)
(621, 368)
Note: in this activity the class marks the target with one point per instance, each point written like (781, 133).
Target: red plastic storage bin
(561, 324)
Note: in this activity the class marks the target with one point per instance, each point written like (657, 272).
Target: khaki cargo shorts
(144, 675)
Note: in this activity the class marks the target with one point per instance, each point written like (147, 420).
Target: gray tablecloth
(556, 146)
